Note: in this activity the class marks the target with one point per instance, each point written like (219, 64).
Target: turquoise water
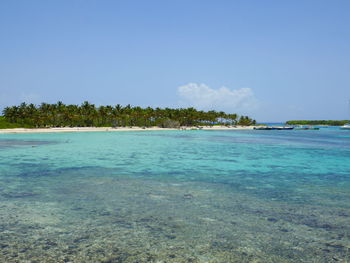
(175, 196)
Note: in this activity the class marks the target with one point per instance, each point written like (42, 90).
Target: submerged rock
(19, 195)
(272, 219)
(188, 196)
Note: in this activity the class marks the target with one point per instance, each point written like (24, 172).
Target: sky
(271, 60)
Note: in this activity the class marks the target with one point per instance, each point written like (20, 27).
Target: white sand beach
(118, 129)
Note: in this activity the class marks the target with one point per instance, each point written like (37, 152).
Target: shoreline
(118, 129)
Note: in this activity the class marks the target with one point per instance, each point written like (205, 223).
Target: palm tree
(59, 114)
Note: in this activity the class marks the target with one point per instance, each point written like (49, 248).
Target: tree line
(317, 122)
(88, 115)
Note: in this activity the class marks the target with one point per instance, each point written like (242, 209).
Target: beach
(119, 129)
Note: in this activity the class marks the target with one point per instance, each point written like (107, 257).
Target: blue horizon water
(176, 196)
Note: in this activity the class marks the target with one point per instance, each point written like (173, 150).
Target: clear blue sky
(291, 58)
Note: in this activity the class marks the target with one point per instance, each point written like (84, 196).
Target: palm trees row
(88, 115)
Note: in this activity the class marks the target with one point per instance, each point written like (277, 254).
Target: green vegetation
(4, 124)
(88, 115)
(318, 122)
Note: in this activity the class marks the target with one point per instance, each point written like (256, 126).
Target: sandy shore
(118, 129)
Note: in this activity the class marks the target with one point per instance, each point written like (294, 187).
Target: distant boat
(262, 128)
(268, 128)
(345, 127)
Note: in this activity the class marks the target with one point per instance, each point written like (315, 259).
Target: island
(63, 117)
(318, 122)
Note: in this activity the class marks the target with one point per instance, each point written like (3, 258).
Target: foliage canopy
(317, 122)
(88, 115)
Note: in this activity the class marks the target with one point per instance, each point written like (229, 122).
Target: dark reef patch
(7, 143)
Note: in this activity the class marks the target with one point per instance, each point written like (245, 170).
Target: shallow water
(175, 196)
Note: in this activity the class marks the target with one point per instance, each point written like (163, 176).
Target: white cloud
(203, 97)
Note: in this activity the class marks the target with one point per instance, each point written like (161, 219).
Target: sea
(176, 196)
